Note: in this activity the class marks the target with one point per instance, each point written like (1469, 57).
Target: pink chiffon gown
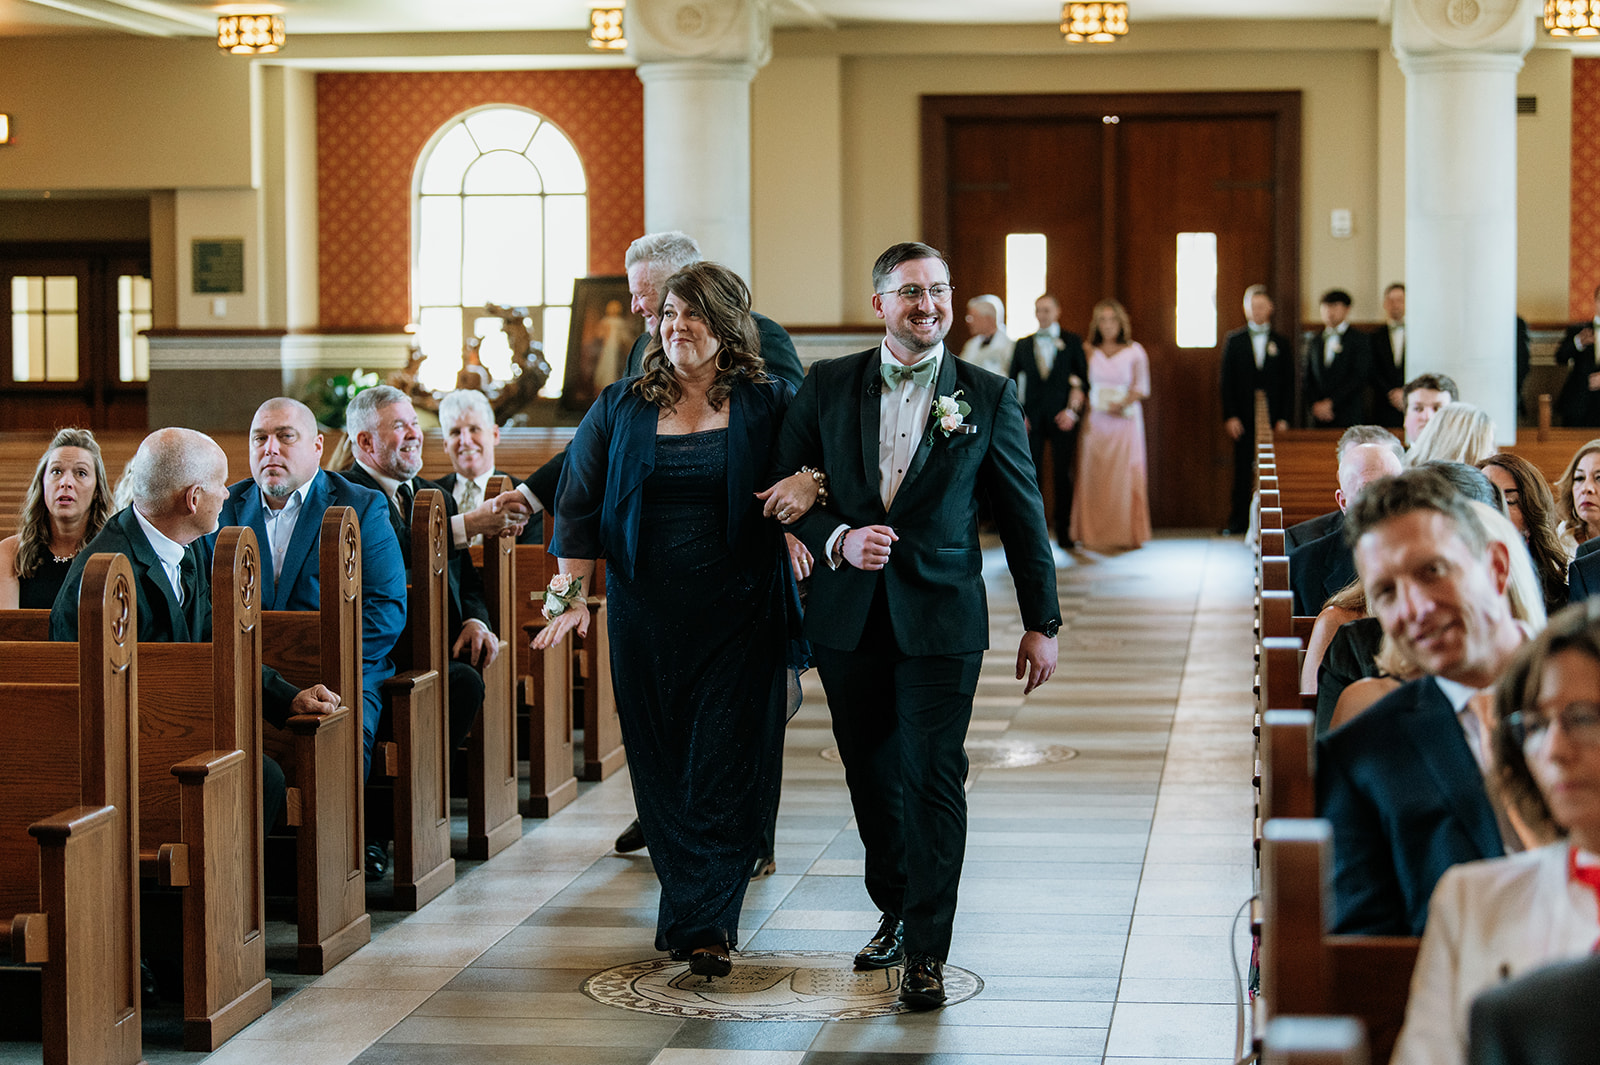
(1111, 508)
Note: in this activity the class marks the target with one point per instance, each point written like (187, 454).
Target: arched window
(502, 217)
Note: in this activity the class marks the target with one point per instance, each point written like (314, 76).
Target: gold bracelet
(822, 484)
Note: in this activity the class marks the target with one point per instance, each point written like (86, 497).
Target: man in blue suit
(283, 502)
(1403, 784)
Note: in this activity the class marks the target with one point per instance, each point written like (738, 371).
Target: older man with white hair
(470, 438)
(989, 346)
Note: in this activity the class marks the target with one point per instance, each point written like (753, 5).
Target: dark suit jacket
(1406, 800)
(466, 585)
(1313, 528)
(1583, 574)
(1241, 379)
(1547, 1017)
(299, 587)
(1345, 380)
(1044, 398)
(1351, 656)
(1386, 375)
(533, 532)
(777, 349)
(934, 578)
(161, 619)
(1576, 404)
(1318, 569)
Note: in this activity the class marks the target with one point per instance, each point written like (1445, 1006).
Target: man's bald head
(285, 448)
(179, 479)
(1362, 464)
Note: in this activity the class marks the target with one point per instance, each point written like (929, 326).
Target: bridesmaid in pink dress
(1110, 509)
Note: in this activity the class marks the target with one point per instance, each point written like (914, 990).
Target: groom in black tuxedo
(910, 436)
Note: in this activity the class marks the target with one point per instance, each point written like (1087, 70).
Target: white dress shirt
(992, 353)
(281, 523)
(1259, 337)
(168, 551)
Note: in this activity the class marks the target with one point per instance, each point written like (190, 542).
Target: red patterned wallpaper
(1584, 270)
(371, 128)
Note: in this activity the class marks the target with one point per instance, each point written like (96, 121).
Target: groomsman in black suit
(1051, 373)
(1338, 368)
(1389, 359)
(1254, 358)
(1580, 395)
(910, 436)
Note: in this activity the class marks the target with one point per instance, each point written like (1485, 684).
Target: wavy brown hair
(33, 523)
(1576, 628)
(1564, 508)
(1539, 518)
(722, 299)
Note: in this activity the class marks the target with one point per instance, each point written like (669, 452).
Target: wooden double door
(1111, 181)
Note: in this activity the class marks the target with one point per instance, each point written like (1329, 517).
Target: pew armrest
(25, 939)
(311, 724)
(195, 770)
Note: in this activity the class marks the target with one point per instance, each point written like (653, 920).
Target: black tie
(191, 595)
(404, 496)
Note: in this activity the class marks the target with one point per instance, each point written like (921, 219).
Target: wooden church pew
(544, 691)
(69, 898)
(494, 817)
(326, 760)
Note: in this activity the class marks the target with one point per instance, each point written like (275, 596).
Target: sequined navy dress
(699, 624)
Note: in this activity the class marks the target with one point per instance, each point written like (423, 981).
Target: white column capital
(723, 31)
(1502, 27)
(697, 70)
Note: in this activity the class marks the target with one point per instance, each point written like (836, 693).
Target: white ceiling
(186, 17)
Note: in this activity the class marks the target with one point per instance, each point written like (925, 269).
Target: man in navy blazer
(179, 483)
(283, 501)
(1255, 358)
(1052, 374)
(910, 437)
(1403, 784)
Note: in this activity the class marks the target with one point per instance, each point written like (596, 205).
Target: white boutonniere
(1061, 345)
(1272, 347)
(949, 413)
(1335, 345)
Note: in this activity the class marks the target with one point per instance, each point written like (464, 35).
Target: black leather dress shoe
(922, 983)
(886, 948)
(765, 865)
(632, 838)
(377, 861)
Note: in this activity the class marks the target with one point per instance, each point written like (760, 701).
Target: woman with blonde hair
(68, 500)
(1578, 497)
(1458, 433)
(1111, 507)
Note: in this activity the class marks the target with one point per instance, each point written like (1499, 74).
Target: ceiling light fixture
(250, 34)
(1094, 23)
(1572, 18)
(605, 27)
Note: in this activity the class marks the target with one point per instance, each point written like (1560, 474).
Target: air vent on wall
(1527, 105)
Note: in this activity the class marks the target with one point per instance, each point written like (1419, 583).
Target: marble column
(1461, 59)
(696, 59)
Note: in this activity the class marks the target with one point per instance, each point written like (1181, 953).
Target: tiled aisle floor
(1096, 901)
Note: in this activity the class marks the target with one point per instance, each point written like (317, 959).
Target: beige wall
(836, 142)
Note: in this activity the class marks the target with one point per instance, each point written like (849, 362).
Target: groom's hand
(868, 547)
(1036, 656)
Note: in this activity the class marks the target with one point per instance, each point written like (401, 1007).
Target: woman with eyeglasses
(1494, 920)
(1111, 508)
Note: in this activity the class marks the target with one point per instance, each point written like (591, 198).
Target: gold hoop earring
(721, 368)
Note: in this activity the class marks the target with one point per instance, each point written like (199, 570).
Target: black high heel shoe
(710, 961)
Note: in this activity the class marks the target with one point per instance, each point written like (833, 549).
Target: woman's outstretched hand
(790, 498)
(575, 617)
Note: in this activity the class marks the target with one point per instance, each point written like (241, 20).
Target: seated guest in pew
(1396, 668)
(1578, 498)
(1315, 528)
(283, 502)
(1425, 396)
(387, 441)
(1323, 566)
(1352, 652)
(1532, 509)
(178, 481)
(1494, 920)
(1544, 1018)
(1458, 433)
(1344, 606)
(470, 436)
(68, 501)
(1438, 585)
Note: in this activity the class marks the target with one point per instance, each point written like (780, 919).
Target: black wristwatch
(1050, 628)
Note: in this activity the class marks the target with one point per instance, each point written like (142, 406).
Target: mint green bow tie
(920, 375)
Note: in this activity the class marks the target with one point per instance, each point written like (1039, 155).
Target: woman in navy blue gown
(661, 481)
